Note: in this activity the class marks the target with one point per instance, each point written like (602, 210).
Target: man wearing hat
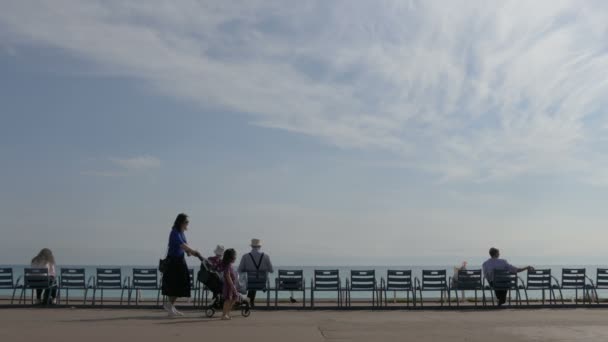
(255, 261)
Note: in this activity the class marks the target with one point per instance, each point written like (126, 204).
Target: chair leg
(475, 298)
(13, 297)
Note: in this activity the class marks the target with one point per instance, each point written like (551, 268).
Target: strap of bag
(257, 264)
(168, 244)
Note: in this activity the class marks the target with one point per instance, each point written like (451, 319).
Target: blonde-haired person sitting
(45, 259)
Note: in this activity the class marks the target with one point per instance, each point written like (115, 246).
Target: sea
(308, 271)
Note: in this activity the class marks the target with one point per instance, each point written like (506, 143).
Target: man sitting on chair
(255, 261)
(494, 263)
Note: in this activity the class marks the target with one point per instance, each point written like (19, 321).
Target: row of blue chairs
(141, 279)
(397, 281)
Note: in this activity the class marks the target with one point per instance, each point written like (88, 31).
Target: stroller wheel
(210, 312)
(245, 311)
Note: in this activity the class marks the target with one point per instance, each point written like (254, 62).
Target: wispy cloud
(120, 167)
(464, 90)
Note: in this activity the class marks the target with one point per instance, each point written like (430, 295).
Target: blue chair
(362, 281)
(290, 280)
(601, 282)
(542, 280)
(576, 279)
(144, 279)
(433, 280)
(507, 281)
(110, 279)
(258, 281)
(37, 278)
(75, 279)
(7, 283)
(398, 281)
(326, 281)
(469, 280)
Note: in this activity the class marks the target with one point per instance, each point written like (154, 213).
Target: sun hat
(256, 243)
(219, 250)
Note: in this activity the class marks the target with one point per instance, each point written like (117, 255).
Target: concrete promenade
(96, 325)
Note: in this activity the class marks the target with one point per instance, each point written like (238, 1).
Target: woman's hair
(179, 221)
(229, 257)
(45, 256)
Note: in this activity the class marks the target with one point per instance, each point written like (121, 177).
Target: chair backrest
(434, 280)
(36, 278)
(539, 279)
(573, 278)
(601, 278)
(292, 280)
(257, 280)
(6, 278)
(362, 280)
(109, 278)
(469, 280)
(399, 280)
(326, 280)
(73, 278)
(504, 280)
(145, 278)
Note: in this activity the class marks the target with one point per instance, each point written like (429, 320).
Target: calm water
(344, 274)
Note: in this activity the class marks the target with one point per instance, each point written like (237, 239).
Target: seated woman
(45, 259)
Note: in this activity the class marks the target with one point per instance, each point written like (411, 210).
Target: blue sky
(358, 132)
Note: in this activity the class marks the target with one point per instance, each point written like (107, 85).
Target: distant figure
(216, 259)
(176, 281)
(45, 259)
(463, 266)
(255, 261)
(229, 289)
(494, 263)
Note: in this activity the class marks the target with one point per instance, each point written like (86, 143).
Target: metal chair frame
(144, 279)
(290, 280)
(542, 280)
(73, 278)
(469, 280)
(576, 279)
(433, 280)
(362, 281)
(37, 278)
(259, 281)
(601, 282)
(398, 281)
(326, 281)
(7, 283)
(505, 280)
(109, 279)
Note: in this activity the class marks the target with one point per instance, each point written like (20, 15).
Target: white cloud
(469, 90)
(137, 163)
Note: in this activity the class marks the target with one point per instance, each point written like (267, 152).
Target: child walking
(229, 291)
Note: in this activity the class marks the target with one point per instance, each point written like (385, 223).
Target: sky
(337, 132)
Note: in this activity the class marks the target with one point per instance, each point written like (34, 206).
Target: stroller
(213, 282)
